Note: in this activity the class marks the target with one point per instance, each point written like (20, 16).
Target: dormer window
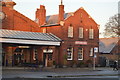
(70, 31)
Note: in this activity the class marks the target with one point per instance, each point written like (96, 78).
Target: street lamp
(95, 51)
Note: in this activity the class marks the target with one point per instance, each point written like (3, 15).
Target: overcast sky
(99, 10)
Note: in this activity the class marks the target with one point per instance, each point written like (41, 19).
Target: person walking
(115, 66)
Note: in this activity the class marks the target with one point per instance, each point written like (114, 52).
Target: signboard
(81, 42)
(24, 46)
(95, 49)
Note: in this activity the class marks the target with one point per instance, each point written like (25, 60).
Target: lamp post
(94, 61)
(95, 51)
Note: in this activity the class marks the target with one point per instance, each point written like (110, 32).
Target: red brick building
(13, 20)
(22, 41)
(78, 31)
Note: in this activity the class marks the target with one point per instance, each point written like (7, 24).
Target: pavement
(20, 72)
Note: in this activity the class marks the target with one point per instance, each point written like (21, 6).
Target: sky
(99, 10)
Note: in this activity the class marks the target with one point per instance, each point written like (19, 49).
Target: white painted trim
(71, 54)
(36, 42)
(82, 55)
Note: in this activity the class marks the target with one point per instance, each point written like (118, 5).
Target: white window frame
(68, 53)
(91, 33)
(81, 32)
(80, 53)
(91, 51)
(70, 31)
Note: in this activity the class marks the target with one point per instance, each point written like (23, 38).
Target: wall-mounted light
(86, 29)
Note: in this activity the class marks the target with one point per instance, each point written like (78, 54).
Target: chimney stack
(61, 12)
(41, 15)
(9, 3)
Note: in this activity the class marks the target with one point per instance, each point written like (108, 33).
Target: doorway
(48, 62)
(3, 59)
(18, 59)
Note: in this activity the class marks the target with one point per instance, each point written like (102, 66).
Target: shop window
(70, 31)
(70, 53)
(80, 53)
(80, 32)
(91, 33)
(91, 51)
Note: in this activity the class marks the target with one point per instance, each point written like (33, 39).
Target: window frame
(91, 33)
(82, 52)
(81, 32)
(71, 53)
(91, 52)
(70, 31)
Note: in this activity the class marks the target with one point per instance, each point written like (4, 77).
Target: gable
(23, 21)
(106, 45)
(18, 21)
(81, 15)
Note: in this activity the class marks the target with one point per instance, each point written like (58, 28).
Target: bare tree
(112, 27)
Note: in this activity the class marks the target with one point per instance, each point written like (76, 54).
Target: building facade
(13, 20)
(22, 41)
(78, 31)
(109, 49)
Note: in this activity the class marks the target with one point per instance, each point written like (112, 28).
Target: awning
(34, 38)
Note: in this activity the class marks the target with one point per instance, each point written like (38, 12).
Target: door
(3, 59)
(18, 59)
(48, 62)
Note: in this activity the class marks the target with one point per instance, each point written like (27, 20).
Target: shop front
(29, 48)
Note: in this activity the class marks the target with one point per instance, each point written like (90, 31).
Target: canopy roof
(12, 36)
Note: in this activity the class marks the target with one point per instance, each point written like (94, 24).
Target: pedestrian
(115, 66)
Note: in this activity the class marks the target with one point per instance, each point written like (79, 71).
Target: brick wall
(76, 21)
(17, 21)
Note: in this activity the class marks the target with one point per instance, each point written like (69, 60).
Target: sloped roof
(12, 34)
(106, 45)
(25, 18)
(53, 19)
